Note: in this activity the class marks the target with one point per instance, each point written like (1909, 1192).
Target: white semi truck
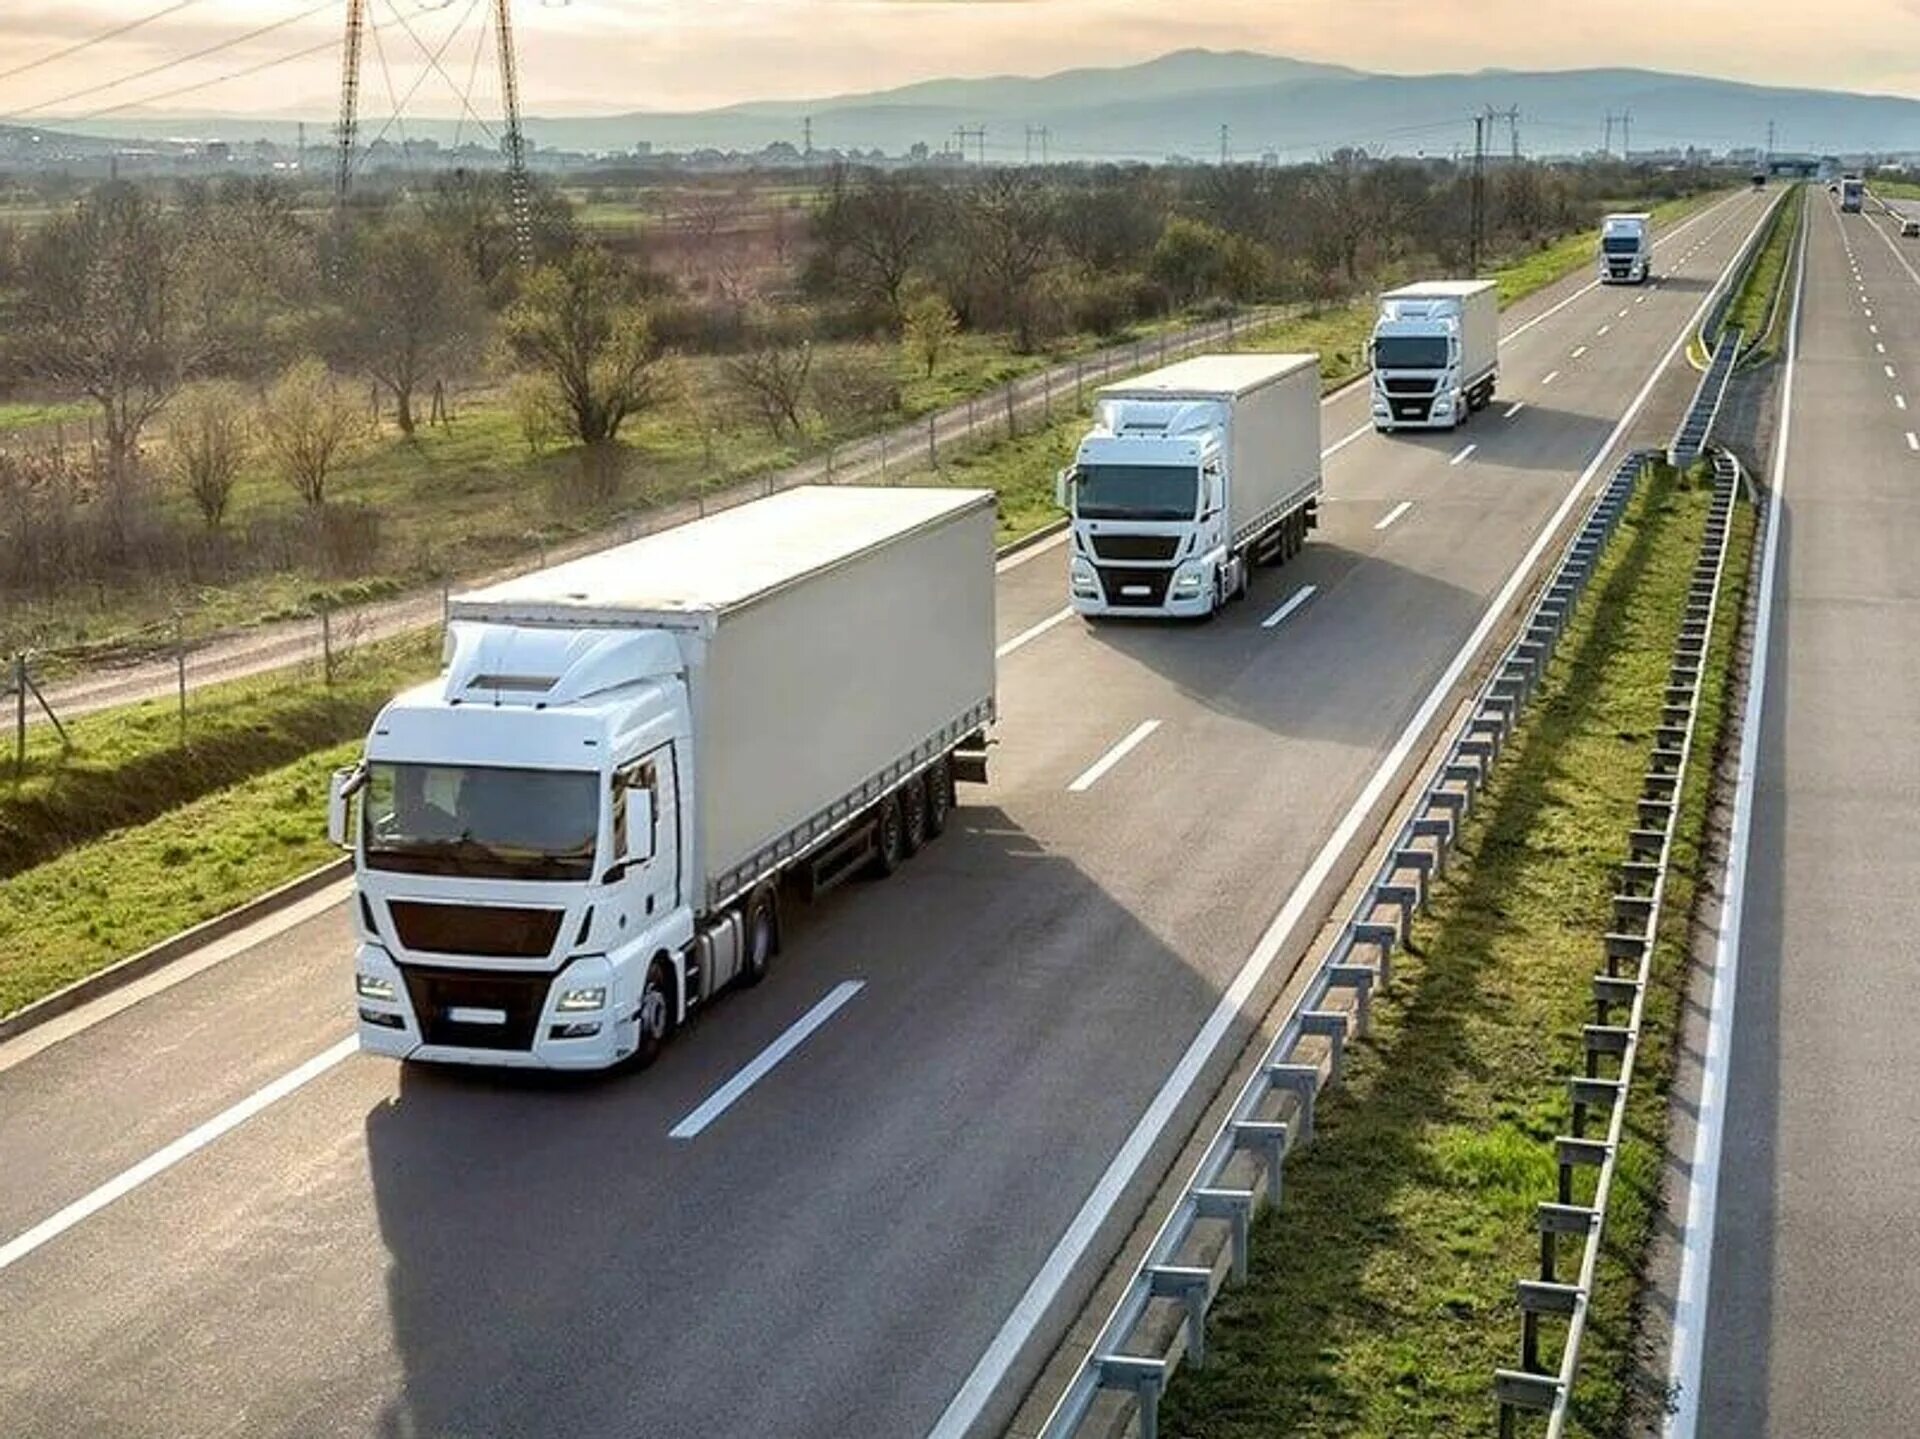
(1853, 194)
(1436, 354)
(577, 835)
(1626, 249)
(1191, 476)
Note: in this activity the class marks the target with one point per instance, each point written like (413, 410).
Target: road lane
(833, 1257)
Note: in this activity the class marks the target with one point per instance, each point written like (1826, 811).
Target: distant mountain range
(1176, 105)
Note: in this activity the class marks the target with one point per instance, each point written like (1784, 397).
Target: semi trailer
(1436, 354)
(581, 832)
(1626, 249)
(1191, 476)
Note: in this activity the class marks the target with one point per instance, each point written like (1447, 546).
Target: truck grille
(1417, 385)
(1146, 589)
(1152, 548)
(1412, 409)
(485, 931)
(437, 992)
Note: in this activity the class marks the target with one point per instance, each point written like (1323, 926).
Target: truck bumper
(390, 1026)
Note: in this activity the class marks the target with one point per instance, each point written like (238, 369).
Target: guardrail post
(1192, 1288)
(1235, 1206)
(1146, 1378)
(1302, 1081)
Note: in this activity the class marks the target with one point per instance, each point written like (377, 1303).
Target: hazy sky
(676, 54)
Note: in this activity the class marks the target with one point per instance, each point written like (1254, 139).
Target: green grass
(74, 915)
(1380, 1298)
(32, 415)
(132, 764)
(1752, 305)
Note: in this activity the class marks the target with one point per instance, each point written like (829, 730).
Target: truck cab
(1147, 492)
(1853, 194)
(518, 843)
(1435, 354)
(1626, 249)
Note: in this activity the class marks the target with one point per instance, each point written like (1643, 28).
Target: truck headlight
(1443, 406)
(1188, 582)
(1083, 579)
(372, 986)
(582, 1001)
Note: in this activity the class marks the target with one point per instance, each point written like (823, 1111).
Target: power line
(179, 60)
(179, 90)
(105, 35)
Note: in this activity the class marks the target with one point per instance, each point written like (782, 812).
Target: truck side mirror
(341, 788)
(639, 825)
(1063, 489)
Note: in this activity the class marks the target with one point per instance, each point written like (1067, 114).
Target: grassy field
(1752, 304)
(1380, 1298)
(34, 415)
(133, 764)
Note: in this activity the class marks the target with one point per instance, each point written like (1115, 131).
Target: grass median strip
(1380, 1297)
(1752, 306)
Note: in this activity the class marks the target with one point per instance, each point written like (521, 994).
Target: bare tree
(103, 314)
(1010, 232)
(308, 426)
(579, 324)
(880, 231)
(535, 408)
(207, 443)
(770, 377)
(412, 308)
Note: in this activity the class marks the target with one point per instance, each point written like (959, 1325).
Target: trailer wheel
(889, 837)
(913, 813)
(760, 923)
(655, 1017)
(939, 781)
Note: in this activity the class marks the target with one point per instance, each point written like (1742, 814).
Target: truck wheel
(655, 1017)
(939, 781)
(889, 837)
(913, 811)
(760, 925)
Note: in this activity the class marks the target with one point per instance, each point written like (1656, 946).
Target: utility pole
(1479, 190)
(1626, 135)
(515, 140)
(1770, 137)
(347, 139)
(1223, 145)
(806, 136)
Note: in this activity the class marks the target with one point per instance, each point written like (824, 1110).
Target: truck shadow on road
(833, 1254)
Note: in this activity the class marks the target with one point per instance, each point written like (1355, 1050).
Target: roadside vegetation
(1380, 1298)
(1753, 307)
(261, 410)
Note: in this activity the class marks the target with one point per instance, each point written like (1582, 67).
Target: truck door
(646, 826)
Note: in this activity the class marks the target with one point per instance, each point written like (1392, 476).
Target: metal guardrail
(1629, 946)
(1160, 1320)
(1717, 315)
(1690, 440)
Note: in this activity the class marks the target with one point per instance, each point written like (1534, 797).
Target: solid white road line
(1393, 514)
(190, 1143)
(977, 1390)
(1091, 775)
(1462, 456)
(1550, 377)
(23, 1047)
(1703, 1173)
(723, 1098)
(1032, 633)
(1514, 409)
(1900, 402)
(1031, 552)
(1298, 598)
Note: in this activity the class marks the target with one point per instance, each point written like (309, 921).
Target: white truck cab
(1626, 249)
(1435, 354)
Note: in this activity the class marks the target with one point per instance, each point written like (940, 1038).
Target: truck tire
(655, 1026)
(939, 781)
(889, 837)
(913, 812)
(760, 935)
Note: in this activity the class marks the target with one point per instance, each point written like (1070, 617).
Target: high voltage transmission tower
(513, 142)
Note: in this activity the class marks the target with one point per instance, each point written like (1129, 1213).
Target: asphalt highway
(1810, 1321)
(875, 1238)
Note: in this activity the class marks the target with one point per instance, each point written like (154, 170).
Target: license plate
(471, 1014)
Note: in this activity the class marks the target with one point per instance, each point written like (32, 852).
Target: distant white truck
(1853, 195)
(1191, 476)
(1436, 354)
(577, 835)
(1626, 249)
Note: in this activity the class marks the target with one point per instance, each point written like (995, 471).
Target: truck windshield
(1137, 492)
(1410, 352)
(481, 821)
(1621, 244)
